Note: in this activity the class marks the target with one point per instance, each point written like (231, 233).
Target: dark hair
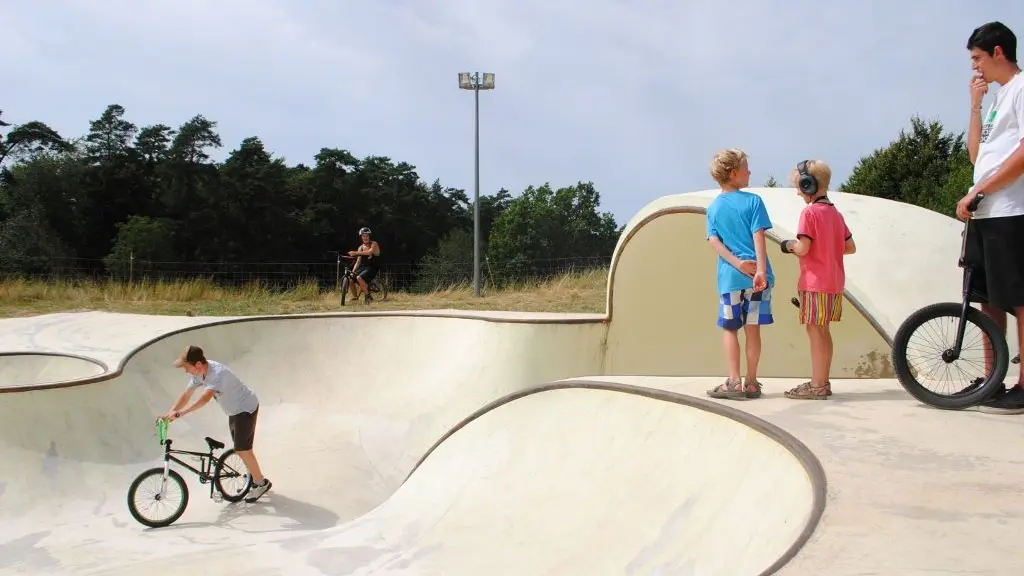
(195, 355)
(987, 36)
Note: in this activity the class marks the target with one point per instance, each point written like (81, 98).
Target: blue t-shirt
(734, 217)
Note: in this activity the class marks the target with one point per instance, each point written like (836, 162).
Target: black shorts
(243, 429)
(995, 247)
(367, 273)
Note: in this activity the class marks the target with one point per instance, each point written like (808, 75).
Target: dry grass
(581, 292)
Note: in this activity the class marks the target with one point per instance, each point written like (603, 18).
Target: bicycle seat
(214, 444)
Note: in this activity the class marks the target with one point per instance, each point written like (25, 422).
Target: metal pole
(476, 194)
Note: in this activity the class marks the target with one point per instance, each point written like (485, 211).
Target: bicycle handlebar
(974, 203)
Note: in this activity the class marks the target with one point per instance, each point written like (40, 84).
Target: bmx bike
(168, 482)
(349, 278)
(977, 385)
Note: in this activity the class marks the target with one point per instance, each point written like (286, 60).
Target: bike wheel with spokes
(231, 476)
(920, 355)
(344, 289)
(155, 503)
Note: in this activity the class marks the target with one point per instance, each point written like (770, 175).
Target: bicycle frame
(953, 354)
(206, 463)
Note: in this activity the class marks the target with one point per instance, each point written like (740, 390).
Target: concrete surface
(34, 368)
(662, 301)
(465, 443)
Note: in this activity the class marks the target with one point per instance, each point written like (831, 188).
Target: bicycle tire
(172, 476)
(218, 469)
(344, 289)
(383, 286)
(976, 317)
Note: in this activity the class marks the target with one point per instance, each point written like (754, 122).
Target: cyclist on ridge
(366, 265)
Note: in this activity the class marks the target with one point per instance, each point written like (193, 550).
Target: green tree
(140, 241)
(545, 231)
(924, 166)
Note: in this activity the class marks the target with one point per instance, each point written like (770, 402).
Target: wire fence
(285, 275)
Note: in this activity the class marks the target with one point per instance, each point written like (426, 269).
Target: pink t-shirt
(821, 269)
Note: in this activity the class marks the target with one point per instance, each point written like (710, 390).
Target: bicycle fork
(163, 480)
(953, 354)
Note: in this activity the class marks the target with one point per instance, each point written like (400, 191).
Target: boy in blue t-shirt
(736, 224)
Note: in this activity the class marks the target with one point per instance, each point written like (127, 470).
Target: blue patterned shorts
(745, 307)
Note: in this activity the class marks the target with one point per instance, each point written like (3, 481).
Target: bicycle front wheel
(920, 356)
(154, 503)
(344, 289)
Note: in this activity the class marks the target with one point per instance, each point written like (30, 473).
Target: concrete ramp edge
(815, 471)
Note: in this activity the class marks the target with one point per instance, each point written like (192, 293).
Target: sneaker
(258, 491)
(1010, 401)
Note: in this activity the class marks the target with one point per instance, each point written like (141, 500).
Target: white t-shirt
(231, 394)
(1001, 132)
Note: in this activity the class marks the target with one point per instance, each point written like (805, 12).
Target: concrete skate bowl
(23, 369)
(662, 296)
(348, 406)
(579, 478)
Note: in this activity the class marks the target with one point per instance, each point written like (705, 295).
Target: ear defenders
(806, 183)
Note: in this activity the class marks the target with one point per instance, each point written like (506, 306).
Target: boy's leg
(731, 317)
(759, 313)
(815, 314)
(243, 434)
(835, 306)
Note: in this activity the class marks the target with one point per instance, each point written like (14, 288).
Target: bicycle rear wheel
(918, 351)
(231, 477)
(145, 494)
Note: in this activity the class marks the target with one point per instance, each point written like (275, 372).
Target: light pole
(476, 81)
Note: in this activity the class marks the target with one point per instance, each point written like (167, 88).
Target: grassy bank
(583, 292)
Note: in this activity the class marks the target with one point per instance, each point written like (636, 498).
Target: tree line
(150, 198)
(125, 195)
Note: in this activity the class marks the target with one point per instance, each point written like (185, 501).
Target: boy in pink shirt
(822, 241)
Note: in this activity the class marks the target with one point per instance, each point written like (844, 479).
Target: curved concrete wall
(662, 296)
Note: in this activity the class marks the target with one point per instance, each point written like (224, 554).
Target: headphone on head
(806, 183)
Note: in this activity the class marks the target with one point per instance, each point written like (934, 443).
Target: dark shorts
(367, 273)
(995, 247)
(243, 429)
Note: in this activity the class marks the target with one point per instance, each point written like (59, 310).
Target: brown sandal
(806, 391)
(729, 391)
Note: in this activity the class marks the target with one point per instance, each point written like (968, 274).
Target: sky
(633, 95)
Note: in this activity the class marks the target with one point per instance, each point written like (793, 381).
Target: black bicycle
(170, 485)
(348, 278)
(977, 383)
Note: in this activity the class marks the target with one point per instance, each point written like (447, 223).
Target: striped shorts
(820, 308)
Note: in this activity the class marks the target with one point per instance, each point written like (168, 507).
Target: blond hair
(724, 162)
(817, 168)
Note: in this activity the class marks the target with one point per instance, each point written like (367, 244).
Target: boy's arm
(724, 252)
(199, 403)
(805, 232)
(182, 400)
(850, 247)
(761, 250)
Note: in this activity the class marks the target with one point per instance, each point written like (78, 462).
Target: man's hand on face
(978, 90)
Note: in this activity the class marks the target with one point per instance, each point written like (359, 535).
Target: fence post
(131, 267)
(337, 272)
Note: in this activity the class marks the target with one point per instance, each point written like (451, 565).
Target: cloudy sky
(633, 95)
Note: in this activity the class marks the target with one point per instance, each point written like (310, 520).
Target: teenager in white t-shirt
(996, 235)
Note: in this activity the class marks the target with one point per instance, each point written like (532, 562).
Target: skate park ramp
(34, 368)
(344, 422)
(662, 297)
(353, 402)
